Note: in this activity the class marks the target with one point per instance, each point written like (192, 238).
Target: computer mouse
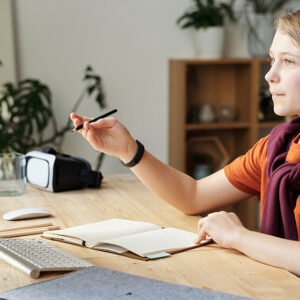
(26, 213)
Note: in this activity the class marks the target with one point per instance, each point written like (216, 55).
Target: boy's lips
(277, 94)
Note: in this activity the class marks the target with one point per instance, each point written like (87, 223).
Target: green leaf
(90, 89)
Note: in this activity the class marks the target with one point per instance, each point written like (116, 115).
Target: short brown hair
(289, 23)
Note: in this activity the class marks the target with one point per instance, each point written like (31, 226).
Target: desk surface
(123, 196)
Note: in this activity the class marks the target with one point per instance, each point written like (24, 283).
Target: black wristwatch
(137, 157)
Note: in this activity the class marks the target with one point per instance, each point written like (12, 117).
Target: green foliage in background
(26, 112)
(205, 13)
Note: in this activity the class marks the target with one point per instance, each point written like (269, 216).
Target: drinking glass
(12, 174)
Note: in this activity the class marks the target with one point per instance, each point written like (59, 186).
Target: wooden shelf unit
(233, 82)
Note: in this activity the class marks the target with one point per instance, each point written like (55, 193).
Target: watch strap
(137, 157)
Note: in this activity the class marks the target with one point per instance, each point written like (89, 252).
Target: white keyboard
(33, 256)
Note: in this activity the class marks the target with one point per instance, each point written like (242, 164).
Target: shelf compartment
(219, 85)
(219, 126)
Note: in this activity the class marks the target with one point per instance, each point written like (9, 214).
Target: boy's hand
(223, 227)
(107, 135)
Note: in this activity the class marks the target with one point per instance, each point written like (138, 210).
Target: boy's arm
(182, 191)
(268, 249)
(227, 230)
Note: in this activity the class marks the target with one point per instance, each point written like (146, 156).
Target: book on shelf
(136, 239)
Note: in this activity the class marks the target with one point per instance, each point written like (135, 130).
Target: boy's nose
(272, 75)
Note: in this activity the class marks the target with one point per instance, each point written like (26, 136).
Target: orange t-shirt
(248, 172)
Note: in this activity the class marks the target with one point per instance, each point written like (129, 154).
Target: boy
(269, 169)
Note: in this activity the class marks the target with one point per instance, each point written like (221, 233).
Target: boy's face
(284, 75)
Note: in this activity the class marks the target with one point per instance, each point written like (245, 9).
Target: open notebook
(131, 238)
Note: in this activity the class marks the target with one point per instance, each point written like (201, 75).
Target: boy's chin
(283, 113)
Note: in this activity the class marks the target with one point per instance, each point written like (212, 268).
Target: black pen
(96, 119)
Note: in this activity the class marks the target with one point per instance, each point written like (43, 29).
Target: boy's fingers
(201, 236)
(201, 231)
(106, 122)
(75, 116)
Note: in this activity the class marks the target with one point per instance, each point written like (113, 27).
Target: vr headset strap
(92, 178)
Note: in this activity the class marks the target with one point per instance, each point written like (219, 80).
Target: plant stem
(99, 161)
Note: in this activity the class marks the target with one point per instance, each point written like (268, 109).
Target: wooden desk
(123, 196)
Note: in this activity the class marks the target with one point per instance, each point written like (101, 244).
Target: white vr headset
(58, 172)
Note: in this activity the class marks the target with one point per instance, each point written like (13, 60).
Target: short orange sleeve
(245, 172)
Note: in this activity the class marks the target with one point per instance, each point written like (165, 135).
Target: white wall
(128, 42)
(7, 49)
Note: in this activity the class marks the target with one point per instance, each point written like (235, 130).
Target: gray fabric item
(98, 283)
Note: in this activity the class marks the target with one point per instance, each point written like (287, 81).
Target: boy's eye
(288, 61)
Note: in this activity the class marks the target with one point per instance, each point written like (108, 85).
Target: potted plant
(261, 24)
(26, 112)
(206, 17)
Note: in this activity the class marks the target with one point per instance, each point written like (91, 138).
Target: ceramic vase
(209, 42)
